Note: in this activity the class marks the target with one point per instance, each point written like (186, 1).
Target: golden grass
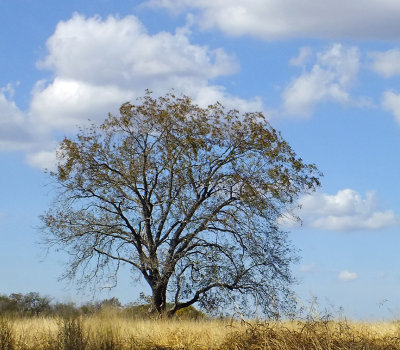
(112, 332)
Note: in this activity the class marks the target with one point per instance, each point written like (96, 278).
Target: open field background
(113, 332)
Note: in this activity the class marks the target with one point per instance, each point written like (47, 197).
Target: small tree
(188, 197)
(31, 304)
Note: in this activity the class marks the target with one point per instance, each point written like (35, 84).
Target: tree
(188, 197)
(34, 304)
(25, 304)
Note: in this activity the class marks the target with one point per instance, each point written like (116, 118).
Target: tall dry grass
(112, 332)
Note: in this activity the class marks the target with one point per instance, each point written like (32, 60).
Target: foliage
(187, 197)
(27, 304)
(71, 311)
(190, 313)
(66, 310)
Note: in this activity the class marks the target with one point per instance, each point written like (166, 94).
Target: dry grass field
(111, 332)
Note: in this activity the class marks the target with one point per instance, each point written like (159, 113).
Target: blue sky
(326, 74)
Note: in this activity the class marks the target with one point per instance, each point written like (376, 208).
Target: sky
(326, 74)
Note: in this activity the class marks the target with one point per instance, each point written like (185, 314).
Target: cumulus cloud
(45, 160)
(66, 103)
(117, 50)
(98, 64)
(206, 95)
(275, 19)
(386, 63)
(330, 78)
(304, 55)
(391, 103)
(347, 276)
(345, 211)
(14, 131)
(18, 131)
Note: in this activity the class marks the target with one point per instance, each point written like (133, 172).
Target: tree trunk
(159, 300)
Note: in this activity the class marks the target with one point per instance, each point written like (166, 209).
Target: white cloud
(14, 131)
(120, 51)
(66, 103)
(391, 102)
(99, 64)
(330, 78)
(347, 276)
(304, 55)
(19, 132)
(45, 160)
(206, 95)
(275, 19)
(345, 211)
(386, 63)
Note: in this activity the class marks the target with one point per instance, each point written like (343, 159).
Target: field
(111, 332)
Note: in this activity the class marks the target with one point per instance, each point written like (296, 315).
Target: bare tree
(187, 197)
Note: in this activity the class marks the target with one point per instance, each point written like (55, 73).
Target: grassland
(112, 332)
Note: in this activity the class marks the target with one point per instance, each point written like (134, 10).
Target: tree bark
(159, 300)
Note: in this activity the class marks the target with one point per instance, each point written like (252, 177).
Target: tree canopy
(187, 197)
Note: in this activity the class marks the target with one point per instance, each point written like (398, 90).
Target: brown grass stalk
(114, 332)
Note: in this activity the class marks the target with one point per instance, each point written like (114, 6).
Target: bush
(190, 313)
(65, 310)
(30, 304)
